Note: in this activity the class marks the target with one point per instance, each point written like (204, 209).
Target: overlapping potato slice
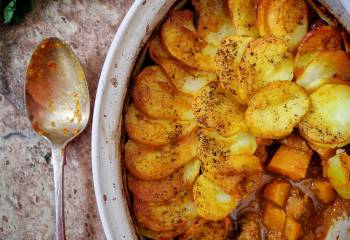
(151, 163)
(323, 68)
(264, 60)
(276, 109)
(338, 173)
(183, 42)
(327, 124)
(218, 109)
(286, 19)
(211, 201)
(155, 132)
(184, 78)
(323, 38)
(214, 23)
(227, 59)
(229, 162)
(165, 188)
(170, 215)
(243, 13)
(154, 95)
(203, 229)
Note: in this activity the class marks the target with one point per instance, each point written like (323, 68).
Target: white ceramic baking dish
(133, 33)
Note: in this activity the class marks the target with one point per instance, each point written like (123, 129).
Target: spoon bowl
(58, 105)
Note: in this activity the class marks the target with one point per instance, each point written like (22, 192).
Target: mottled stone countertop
(26, 176)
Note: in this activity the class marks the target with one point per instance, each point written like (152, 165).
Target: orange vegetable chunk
(277, 192)
(323, 191)
(292, 230)
(274, 217)
(290, 162)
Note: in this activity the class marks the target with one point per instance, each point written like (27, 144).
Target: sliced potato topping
(150, 163)
(184, 78)
(276, 109)
(229, 162)
(338, 172)
(183, 42)
(217, 109)
(214, 23)
(165, 188)
(323, 38)
(154, 95)
(264, 60)
(168, 215)
(325, 66)
(204, 229)
(227, 59)
(155, 132)
(211, 201)
(243, 13)
(327, 124)
(286, 19)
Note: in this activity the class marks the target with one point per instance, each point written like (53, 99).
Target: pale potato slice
(323, 68)
(276, 109)
(214, 22)
(183, 42)
(204, 229)
(319, 39)
(211, 201)
(264, 60)
(261, 17)
(165, 188)
(217, 109)
(154, 95)
(227, 59)
(327, 124)
(184, 78)
(170, 215)
(243, 13)
(151, 163)
(155, 132)
(338, 173)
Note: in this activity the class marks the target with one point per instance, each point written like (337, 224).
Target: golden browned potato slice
(165, 188)
(265, 60)
(150, 163)
(323, 68)
(211, 201)
(243, 13)
(184, 78)
(327, 124)
(155, 132)
(214, 22)
(227, 59)
(338, 172)
(217, 109)
(229, 161)
(183, 42)
(170, 215)
(319, 39)
(154, 95)
(291, 27)
(203, 229)
(276, 109)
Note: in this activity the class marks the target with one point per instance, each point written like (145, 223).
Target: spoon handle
(58, 163)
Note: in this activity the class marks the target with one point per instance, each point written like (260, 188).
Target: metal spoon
(58, 104)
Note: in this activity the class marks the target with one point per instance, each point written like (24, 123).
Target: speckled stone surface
(26, 177)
